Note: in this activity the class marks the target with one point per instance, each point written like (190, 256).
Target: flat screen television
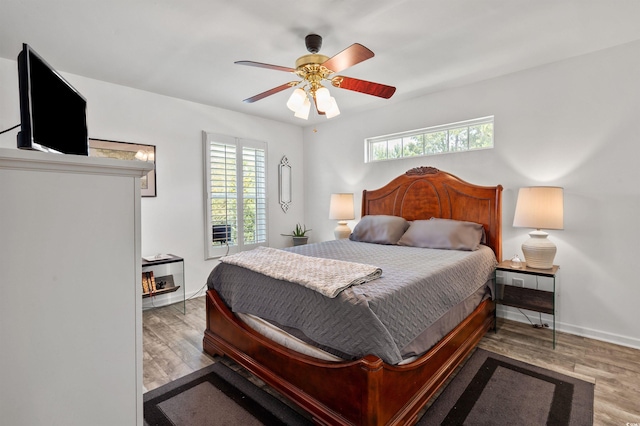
(52, 112)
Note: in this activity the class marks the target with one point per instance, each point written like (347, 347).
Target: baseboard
(515, 315)
(199, 293)
(617, 339)
(170, 298)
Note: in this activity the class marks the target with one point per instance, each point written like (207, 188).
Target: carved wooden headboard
(426, 192)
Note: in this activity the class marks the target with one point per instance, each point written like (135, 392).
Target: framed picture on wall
(128, 151)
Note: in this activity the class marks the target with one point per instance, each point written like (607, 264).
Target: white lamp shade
(303, 111)
(539, 207)
(323, 99)
(296, 100)
(341, 209)
(333, 110)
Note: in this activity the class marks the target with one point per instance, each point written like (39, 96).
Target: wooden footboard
(362, 392)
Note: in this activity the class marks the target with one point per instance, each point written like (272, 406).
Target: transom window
(455, 137)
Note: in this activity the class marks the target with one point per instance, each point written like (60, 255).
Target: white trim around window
(235, 199)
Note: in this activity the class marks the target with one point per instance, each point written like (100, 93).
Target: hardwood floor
(172, 344)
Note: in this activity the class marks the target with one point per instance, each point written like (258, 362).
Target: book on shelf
(148, 283)
(152, 286)
(152, 282)
(145, 283)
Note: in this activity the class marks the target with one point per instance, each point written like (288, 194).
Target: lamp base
(342, 231)
(538, 251)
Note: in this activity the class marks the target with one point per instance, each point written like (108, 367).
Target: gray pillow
(379, 229)
(444, 234)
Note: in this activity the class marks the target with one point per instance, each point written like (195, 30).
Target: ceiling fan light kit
(296, 100)
(323, 99)
(333, 110)
(303, 110)
(313, 69)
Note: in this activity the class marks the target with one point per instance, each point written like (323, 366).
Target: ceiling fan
(314, 69)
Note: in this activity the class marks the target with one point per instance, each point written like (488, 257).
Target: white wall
(173, 222)
(574, 123)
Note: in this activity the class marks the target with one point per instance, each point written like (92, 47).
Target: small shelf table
(168, 273)
(531, 299)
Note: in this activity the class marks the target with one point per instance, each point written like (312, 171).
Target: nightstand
(531, 299)
(167, 274)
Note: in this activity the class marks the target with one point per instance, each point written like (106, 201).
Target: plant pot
(299, 241)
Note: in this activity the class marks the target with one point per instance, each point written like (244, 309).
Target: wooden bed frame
(368, 391)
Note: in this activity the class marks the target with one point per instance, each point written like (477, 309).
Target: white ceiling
(187, 48)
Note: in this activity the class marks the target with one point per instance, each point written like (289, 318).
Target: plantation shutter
(236, 205)
(254, 195)
(224, 186)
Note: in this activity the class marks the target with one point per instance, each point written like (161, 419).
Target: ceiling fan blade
(363, 86)
(268, 66)
(270, 92)
(350, 56)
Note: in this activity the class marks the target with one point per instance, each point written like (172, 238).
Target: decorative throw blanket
(326, 276)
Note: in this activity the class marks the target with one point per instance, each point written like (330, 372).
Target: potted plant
(299, 235)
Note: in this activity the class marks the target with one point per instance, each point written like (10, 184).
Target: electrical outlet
(517, 282)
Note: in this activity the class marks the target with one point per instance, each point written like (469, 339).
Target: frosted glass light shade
(296, 100)
(323, 99)
(303, 111)
(539, 207)
(333, 110)
(341, 209)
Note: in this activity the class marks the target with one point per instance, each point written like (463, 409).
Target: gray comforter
(381, 317)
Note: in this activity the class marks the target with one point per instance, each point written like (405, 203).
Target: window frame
(212, 251)
(400, 137)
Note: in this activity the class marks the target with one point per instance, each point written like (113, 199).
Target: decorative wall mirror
(284, 180)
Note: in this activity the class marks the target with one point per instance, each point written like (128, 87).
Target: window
(236, 194)
(462, 136)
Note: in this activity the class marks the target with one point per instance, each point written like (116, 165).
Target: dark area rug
(495, 390)
(216, 395)
(490, 389)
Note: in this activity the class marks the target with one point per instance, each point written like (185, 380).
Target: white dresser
(70, 290)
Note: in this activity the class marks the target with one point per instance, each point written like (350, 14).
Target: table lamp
(539, 207)
(341, 209)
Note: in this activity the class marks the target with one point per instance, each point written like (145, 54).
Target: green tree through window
(456, 137)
